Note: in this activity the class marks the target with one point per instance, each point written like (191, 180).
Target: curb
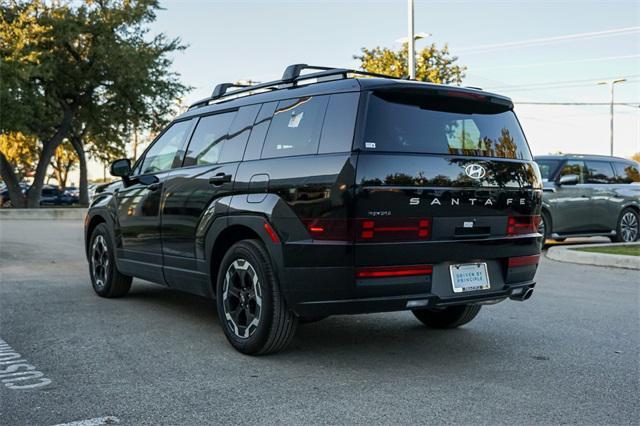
(568, 254)
(43, 214)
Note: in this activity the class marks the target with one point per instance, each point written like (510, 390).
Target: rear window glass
(402, 123)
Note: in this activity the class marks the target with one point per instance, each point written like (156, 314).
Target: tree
(432, 64)
(89, 72)
(64, 160)
(21, 151)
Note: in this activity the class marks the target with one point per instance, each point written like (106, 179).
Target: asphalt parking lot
(568, 355)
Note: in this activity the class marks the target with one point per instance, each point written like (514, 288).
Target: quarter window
(600, 172)
(626, 173)
(208, 138)
(295, 127)
(339, 123)
(166, 152)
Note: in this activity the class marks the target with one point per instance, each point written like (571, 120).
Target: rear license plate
(469, 277)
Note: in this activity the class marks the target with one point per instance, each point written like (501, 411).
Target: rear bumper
(321, 279)
(404, 302)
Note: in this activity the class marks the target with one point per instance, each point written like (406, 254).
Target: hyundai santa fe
(327, 192)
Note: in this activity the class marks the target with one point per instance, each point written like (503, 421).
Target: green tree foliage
(86, 71)
(432, 64)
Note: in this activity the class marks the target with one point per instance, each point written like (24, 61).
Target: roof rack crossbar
(290, 77)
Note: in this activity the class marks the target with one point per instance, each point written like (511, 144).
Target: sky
(532, 51)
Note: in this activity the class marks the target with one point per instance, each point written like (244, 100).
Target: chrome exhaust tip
(521, 295)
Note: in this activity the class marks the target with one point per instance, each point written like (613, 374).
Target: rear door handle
(219, 179)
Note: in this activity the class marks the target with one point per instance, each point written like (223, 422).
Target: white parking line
(16, 373)
(108, 420)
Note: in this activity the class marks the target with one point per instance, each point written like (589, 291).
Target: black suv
(590, 195)
(322, 194)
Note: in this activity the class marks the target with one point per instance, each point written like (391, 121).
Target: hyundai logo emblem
(475, 171)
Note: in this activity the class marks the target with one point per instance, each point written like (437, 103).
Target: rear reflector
(524, 260)
(271, 232)
(520, 225)
(393, 271)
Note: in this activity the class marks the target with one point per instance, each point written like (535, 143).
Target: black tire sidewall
(250, 251)
(105, 291)
(547, 228)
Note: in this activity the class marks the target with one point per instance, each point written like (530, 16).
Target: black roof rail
(222, 88)
(290, 77)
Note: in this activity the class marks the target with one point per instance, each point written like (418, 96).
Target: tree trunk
(83, 184)
(48, 149)
(18, 199)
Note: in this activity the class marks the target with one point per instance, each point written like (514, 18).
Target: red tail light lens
(393, 271)
(328, 229)
(369, 230)
(520, 225)
(392, 229)
(524, 260)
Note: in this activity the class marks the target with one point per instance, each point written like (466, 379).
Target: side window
(600, 172)
(573, 167)
(295, 127)
(239, 134)
(626, 173)
(165, 153)
(208, 138)
(259, 131)
(339, 123)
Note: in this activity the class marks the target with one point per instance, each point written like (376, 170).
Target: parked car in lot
(53, 196)
(5, 201)
(324, 194)
(590, 195)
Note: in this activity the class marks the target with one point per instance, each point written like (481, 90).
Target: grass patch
(623, 250)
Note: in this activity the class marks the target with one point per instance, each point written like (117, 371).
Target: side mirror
(569, 180)
(121, 168)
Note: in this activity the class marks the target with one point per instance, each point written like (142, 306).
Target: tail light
(520, 225)
(392, 229)
(369, 230)
(393, 271)
(524, 260)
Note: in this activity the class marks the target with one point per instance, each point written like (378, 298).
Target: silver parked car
(589, 195)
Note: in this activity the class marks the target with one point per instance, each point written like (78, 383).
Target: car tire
(449, 317)
(106, 280)
(544, 228)
(251, 307)
(628, 228)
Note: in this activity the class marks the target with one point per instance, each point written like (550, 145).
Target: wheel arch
(235, 229)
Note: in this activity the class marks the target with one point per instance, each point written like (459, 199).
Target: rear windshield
(548, 168)
(410, 123)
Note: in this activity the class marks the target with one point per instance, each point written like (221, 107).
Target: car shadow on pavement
(378, 336)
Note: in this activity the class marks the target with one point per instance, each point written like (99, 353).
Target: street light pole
(412, 43)
(611, 84)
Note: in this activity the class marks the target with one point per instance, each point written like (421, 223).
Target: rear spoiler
(436, 90)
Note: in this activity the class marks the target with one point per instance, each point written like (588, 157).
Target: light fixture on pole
(611, 84)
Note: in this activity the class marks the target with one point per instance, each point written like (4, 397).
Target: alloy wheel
(629, 227)
(242, 298)
(100, 261)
